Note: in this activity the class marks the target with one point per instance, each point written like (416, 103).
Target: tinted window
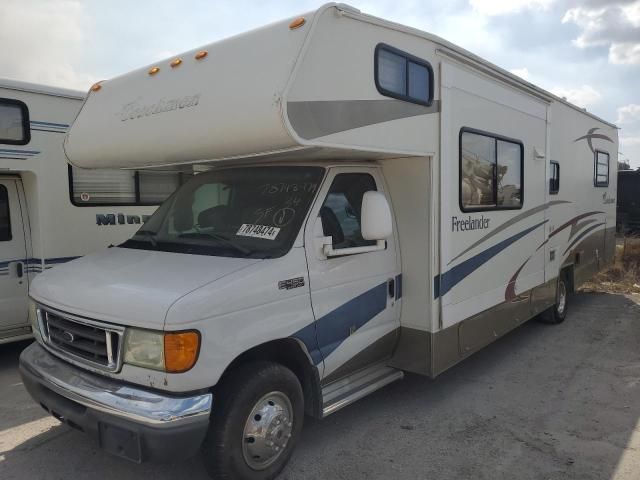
(392, 72)
(14, 122)
(122, 187)
(341, 211)
(418, 82)
(403, 76)
(602, 169)
(491, 172)
(478, 167)
(509, 174)
(5, 221)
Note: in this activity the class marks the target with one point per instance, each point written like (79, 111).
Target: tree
(624, 165)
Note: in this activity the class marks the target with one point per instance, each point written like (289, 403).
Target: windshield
(252, 212)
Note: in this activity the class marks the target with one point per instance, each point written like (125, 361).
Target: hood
(130, 286)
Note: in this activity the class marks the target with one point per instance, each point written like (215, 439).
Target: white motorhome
(373, 200)
(51, 213)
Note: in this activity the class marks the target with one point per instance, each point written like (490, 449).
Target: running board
(347, 390)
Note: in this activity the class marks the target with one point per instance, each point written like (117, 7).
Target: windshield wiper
(150, 235)
(220, 238)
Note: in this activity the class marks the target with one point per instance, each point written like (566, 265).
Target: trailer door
(13, 253)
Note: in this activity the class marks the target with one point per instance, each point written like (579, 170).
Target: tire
(558, 312)
(258, 395)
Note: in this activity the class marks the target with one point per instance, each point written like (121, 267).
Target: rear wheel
(558, 312)
(255, 424)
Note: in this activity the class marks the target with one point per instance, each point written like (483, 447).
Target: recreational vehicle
(51, 213)
(628, 210)
(374, 200)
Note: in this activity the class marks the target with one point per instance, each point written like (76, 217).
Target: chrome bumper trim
(112, 396)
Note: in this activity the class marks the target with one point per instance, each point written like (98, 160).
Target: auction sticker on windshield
(258, 231)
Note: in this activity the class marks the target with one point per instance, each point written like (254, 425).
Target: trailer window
(341, 212)
(403, 76)
(491, 172)
(121, 187)
(5, 221)
(554, 178)
(601, 173)
(14, 122)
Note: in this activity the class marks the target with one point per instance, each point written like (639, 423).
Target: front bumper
(128, 421)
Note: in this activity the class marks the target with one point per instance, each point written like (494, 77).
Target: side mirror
(377, 223)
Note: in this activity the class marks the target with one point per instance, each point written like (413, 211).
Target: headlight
(34, 319)
(144, 348)
(173, 352)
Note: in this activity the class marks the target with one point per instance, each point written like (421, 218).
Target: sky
(585, 50)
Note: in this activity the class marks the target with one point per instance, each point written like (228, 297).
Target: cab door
(13, 253)
(355, 297)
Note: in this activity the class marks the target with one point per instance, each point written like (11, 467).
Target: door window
(341, 211)
(5, 221)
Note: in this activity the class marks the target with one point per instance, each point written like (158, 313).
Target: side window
(554, 178)
(403, 76)
(491, 172)
(601, 171)
(122, 187)
(14, 122)
(341, 211)
(5, 220)
(155, 187)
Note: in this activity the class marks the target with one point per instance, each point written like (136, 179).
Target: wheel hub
(562, 297)
(267, 430)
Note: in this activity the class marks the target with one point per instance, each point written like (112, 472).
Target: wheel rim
(562, 298)
(267, 430)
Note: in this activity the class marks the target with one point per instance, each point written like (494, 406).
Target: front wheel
(558, 312)
(255, 423)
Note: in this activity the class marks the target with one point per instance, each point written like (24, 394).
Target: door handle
(16, 269)
(391, 285)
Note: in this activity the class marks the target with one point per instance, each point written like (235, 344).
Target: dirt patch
(624, 275)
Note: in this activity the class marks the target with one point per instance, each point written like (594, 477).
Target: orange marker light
(154, 70)
(96, 86)
(201, 54)
(181, 351)
(297, 23)
(176, 62)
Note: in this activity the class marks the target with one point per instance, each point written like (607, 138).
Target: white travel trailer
(51, 213)
(377, 201)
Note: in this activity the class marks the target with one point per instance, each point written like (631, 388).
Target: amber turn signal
(201, 54)
(154, 70)
(181, 350)
(176, 62)
(96, 86)
(297, 23)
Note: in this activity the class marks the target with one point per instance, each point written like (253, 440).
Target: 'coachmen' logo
(591, 135)
(68, 337)
(136, 109)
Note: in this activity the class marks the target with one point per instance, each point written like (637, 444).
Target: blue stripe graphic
(50, 124)
(22, 152)
(448, 280)
(326, 334)
(47, 130)
(37, 262)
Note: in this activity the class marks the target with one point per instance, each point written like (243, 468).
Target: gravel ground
(544, 402)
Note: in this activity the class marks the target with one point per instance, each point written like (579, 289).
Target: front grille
(83, 340)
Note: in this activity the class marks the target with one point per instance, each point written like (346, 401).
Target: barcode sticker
(258, 231)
